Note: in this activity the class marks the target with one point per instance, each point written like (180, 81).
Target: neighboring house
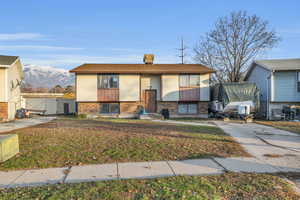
(11, 75)
(126, 89)
(278, 81)
(49, 103)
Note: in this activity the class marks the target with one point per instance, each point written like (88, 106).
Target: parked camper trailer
(234, 100)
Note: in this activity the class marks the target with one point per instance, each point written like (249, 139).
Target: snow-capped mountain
(46, 76)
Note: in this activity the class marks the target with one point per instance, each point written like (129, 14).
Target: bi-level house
(278, 81)
(126, 89)
(11, 75)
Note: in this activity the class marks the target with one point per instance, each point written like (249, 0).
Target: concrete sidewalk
(135, 170)
(23, 123)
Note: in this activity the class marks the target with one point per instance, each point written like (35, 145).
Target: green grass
(226, 186)
(67, 141)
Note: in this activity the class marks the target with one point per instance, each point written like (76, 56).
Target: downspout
(268, 84)
(269, 90)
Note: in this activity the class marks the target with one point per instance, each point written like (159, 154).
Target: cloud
(20, 36)
(37, 47)
(73, 60)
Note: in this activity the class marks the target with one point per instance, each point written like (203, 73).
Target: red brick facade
(203, 107)
(3, 111)
(88, 108)
(134, 107)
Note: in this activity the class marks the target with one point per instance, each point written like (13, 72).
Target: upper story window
(107, 81)
(189, 80)
(298, 81)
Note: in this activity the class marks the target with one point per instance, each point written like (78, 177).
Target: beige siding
(86, 87)
(170, 87)
(204, 87)
(129, 87)
(151, 82)
(3, 87)
(14, 77)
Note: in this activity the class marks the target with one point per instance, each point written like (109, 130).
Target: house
(11, 75)
(48, 103)
(127, 89)
(278, 81)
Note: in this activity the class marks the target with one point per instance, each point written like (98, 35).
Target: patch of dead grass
(66, 142)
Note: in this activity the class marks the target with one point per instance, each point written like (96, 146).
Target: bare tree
(233, 43)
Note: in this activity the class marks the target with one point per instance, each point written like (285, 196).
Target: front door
(66, 108)
(150, 101)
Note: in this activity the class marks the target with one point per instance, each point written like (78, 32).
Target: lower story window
(109, 108)
(187, 108)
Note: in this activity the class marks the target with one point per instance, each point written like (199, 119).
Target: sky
(67, 33)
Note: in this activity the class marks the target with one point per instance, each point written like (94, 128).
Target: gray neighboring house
(278, 81)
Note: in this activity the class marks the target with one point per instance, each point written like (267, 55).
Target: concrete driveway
(278, 148)
(23, 123)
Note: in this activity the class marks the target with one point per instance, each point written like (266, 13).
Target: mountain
(46, 76)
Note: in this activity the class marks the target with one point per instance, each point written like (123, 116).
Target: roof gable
(7, 60)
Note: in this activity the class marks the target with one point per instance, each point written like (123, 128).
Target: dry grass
(284, 125)
(67, 141)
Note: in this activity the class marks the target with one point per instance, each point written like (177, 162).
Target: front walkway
(23, 123)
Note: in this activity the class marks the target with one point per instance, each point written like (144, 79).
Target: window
(298, 81)
(108, 81)
(188, 108)
(109, 108)
(189, 80)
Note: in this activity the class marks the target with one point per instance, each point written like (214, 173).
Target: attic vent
(148, 58)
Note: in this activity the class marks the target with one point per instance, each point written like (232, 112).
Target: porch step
(150, 116)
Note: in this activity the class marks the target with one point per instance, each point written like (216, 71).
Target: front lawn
(68, 141)
(284, 125)
(226, 186)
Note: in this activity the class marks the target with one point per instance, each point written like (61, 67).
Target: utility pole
(182, 50)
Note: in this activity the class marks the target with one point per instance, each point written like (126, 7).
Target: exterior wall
(86, 87)
(10, 91)
(3, 85)
(170, 87)
(172, 106)
(204, 87)
(262, 78)
(285, 87)
(88, 108)
(3, 111)
(152, 82)
(47, 104)
(130, 107)
(60, 105)
(129, 87)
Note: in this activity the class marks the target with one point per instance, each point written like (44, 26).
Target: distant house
(278, 81)
(48, 103)
(126, 89)
(11, 75)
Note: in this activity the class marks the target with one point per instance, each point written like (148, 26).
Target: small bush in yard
(82, 116)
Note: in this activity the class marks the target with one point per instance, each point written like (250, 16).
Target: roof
(142, 68)
(280, 64)
(7, 60)
(275, 65)
(45, 95)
